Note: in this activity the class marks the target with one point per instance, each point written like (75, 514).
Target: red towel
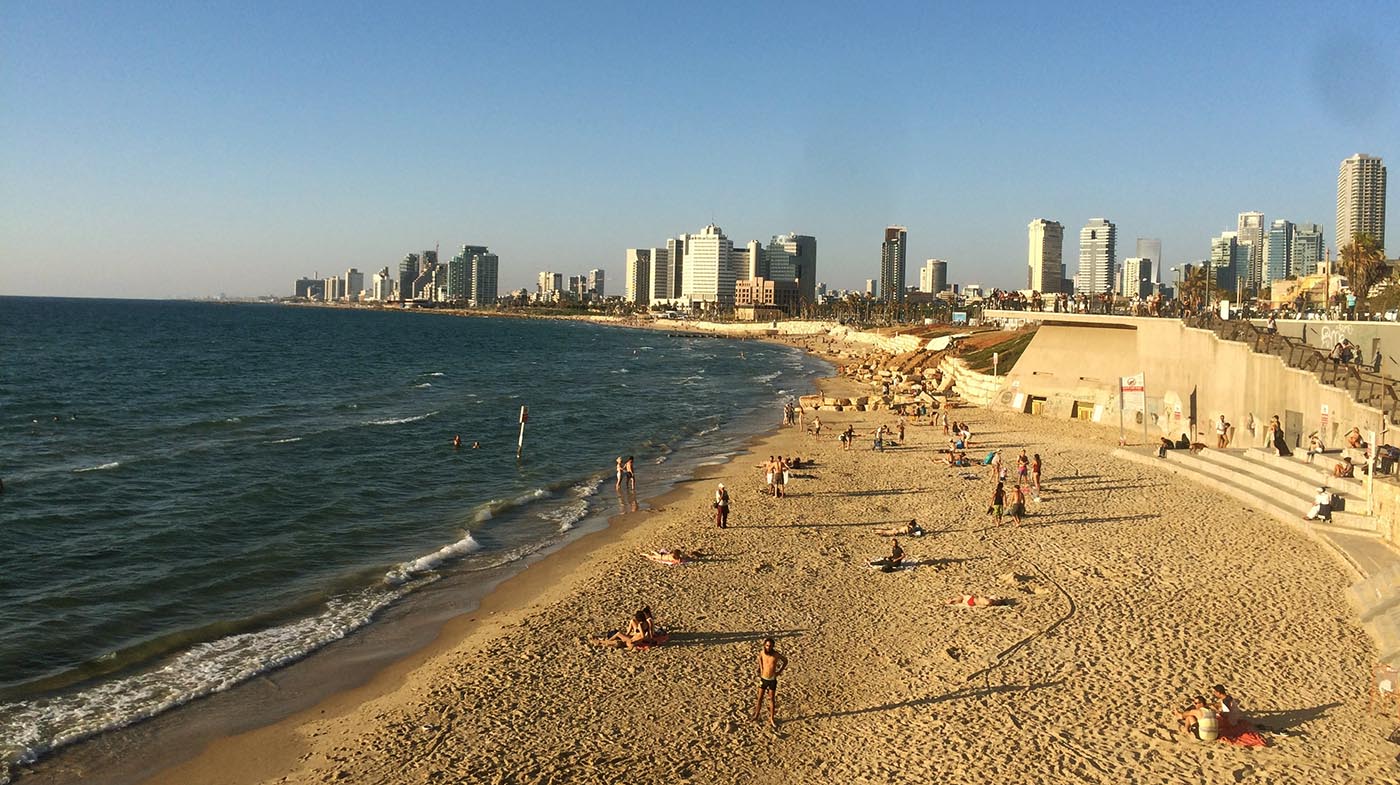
(1242, 737)
(656, 640)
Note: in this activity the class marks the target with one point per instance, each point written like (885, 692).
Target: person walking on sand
(771, 664)
(817, 425)
(721, 507)
(1035, 475)
(998, 499)
(901, 430)
(1018, 504)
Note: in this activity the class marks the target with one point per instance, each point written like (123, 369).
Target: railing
(1365, 386)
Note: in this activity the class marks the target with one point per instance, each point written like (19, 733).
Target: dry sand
(1132, 589)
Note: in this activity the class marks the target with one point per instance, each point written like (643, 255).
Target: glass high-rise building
(933, 276)
(1250, 228)
(1278, 252)
(892, 268)
(1151, 248)
(1361, 199)
(1307, 250)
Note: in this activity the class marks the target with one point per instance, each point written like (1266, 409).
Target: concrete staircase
(1284, 488)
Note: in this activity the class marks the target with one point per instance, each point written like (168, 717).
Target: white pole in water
(520, 445)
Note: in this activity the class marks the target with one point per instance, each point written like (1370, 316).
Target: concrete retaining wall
(981, 389)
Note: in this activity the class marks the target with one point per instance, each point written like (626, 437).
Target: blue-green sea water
(196, 493)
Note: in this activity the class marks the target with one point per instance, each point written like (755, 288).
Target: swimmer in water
(476, 445)
(457, 442)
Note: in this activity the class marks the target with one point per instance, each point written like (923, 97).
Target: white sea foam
(31, 728)
(767, 377)
(708, 431)
(495, 507)
(400, 420)
(98, 468)
(437, 373)
(432, 561)
(424, 384)
(566, 515)
(285, 441)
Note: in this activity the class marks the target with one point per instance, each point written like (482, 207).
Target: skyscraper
(486, 268)
(1250, 229)
(354, 283)
(802, 258)
(933, 276)
(1307, 250)
(892, 252)
(1046, 257)
(1229, 261)
(707, 269)
(637, 263)
(408, 270)
(1151, 248)
(1278, 252)
(1135, 277)
(1361, 200)
(550, 282)
(596, 283)
(1098, 249)
(675, 266)
(660, 270)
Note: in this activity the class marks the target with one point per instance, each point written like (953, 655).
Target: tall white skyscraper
(707, 271)
(354, 283)
(1361, 200)
(1151, 248)
(1046, 256)
(1098, 249)
(933, 276)
(802, 259)
(486, 272)
(1251, 230)
(550, 282)
(596, 283)
(637, 263)
(1135, 278)
(660, 272)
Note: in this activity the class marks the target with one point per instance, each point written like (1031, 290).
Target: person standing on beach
(998, 500)
(722, 507)
(629, 471)
(817, 425)
(1018, 504)
(618, 485)
(1035, 475)
(771, 664)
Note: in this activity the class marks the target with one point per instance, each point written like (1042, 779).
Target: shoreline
(272, 701)
(1108, 627)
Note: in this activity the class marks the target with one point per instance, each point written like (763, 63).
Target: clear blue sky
(188, 149)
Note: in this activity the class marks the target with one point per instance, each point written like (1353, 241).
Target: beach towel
(1242, 737)
(656, 640)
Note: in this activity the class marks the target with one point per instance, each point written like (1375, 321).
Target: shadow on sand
(693, 638)
(969, 692)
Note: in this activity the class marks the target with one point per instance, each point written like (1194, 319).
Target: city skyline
(184, 152)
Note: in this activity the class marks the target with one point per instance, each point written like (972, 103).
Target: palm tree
(1364, 264)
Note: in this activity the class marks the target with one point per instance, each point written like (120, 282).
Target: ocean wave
(37, 727)
(285, 441)
(566, 515)
(705, 431)
(98, 468)
(410, 569)
(424, 384)
(619, 370)
(767, 377)
(400, 420)
(436, 373)
(495, 507)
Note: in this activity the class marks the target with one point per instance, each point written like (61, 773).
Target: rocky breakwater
(898, 381)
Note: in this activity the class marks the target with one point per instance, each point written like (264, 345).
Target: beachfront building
(549, 282)
(892, 253)
(707, 268)
(1306, 251)
(1278, 252)
(1135, 277)
(759, 299)
(1229, 261)
(382, 286)
(870, 288)
(1250, 230)
(675, 261)
(459, 272)
(335, 289)
(408, 271)
(636, 264)
(793, 257)
(595, 283)
(933, 276)
(1098, 242)
(1046, 256)
(354, 284)
(1361, 200)
(661, 290)
(1150, 248)
(485, 279)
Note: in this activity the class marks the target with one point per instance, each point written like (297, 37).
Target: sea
(199, 493)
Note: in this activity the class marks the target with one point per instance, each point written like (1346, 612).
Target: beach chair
(1385, 684)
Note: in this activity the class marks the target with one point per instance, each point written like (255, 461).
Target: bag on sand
(988, 460)
(1338, 503)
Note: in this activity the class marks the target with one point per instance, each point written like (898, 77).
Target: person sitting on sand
(1345, 468)
(893, 561)
(977, 601)
(639, 632)
(1200, 720)
(910, 529)
(1228, 709)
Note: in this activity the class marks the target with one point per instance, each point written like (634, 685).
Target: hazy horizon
(163, 152)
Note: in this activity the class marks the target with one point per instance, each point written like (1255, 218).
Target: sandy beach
(1130, 591)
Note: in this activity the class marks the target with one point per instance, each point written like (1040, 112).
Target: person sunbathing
(1344, 469)
(977, 601)
(672, 556)
(910, 529)
(639, 632)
